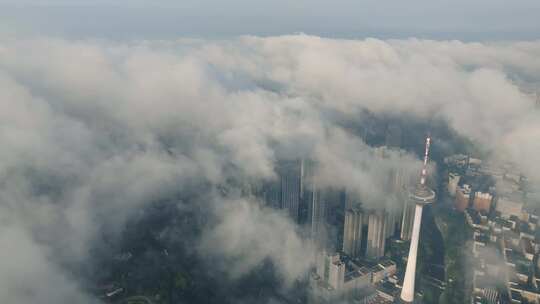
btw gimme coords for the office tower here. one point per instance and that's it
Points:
(307, 191)
(352, 233)
(393, 214)
(317, 215)
(272, 194)
(422, 195)
(291, 185)
(376, 235)
(395, 210)
(334, 202)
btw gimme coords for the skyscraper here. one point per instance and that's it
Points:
(334, 202)
(393, 220)
(421, 195)
(317, 215)
(376, 235)
(291, 185)
(394, 186)
(352, 233)
(272, 194)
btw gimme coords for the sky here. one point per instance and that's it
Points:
(122, 19)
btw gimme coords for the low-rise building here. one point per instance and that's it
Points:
(383, 270)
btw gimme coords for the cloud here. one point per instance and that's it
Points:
(29, 275)
(92, 131)
(248, 234)
(484, 91)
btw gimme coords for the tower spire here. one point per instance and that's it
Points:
(426, 159)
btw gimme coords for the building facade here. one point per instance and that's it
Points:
(463, 197)
(352, 233)
(290, 173)
(376, 236)
(482, 201)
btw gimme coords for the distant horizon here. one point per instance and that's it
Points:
(479, 21)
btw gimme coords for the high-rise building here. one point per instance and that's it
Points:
(334, 201)
(397, 180)
(393, 214)
(351, 202)
(463, 197)
(290, 173)
(394, 186)
(421, 195)
(272, 194)
(482, 201)
(352, 233)
(376, 235)
(317, 216)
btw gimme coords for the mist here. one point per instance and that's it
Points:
(93, 131)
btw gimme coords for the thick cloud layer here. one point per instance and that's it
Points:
(92, 131)
(247, 234)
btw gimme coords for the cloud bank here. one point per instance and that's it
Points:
(91, 131)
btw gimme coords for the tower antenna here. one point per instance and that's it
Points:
(426, 159)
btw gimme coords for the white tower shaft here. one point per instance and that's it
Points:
(407, 292)
(422, 195)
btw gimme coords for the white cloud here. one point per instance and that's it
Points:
(91, 131)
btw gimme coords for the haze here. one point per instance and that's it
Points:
(464, 20)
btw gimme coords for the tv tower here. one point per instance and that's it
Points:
(421, 195)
